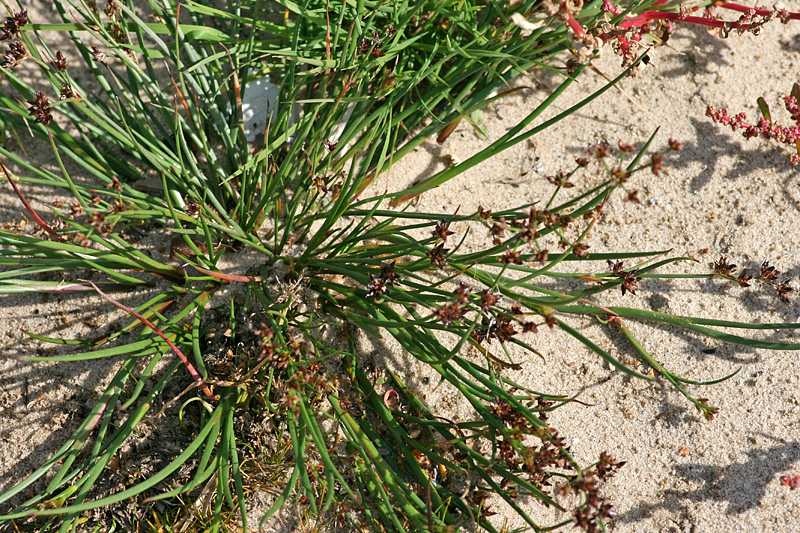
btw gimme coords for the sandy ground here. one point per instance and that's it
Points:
(733, 197)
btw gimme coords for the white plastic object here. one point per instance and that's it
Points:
(260, 104)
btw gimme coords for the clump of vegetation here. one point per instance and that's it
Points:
(335, 261)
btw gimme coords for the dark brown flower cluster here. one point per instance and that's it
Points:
(488, 299)
(600, 151)
(98, 221)
(500, 327)
(40, 108)
(512, 419)
(387, 278)
(552, 453)
(725, 269)
(595, 509)
(607, 466)
(528, 231)
(561, 179)
(536, 460)
(543, 406)
(449, 313)
(768, 275)
(372, 44)
(97, 54)
(550, 435)
(60, 62)
(453, 311)
(533, 460)
(619, 175)
(112, 9)
(13, 24)
(15, 55)
(119, 34)
(192, 208)
(504, 330)
(510, 257)
(498, 230)
(629, 280)
(579, 249)
(67, 92)
(438, 254)
(320, 183)
(442, 230)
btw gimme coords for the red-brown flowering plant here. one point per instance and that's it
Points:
(387, 278)
(768, 276)
(228, 173)
(629, 280)
(765, 127)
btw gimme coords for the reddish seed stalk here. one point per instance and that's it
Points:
(192, 371)
(648, 16)
(759, 12)
(691, 19)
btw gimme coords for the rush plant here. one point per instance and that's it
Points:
(157, 143)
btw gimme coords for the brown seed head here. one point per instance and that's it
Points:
(462, 293)
(13, 24)
(15, 55)
(488, 299)
(656, 164)
(675, 146)
(783, 290)
(442, 230)
(510, 256)
(438, 255)
(723, 267)
(769, 274)
(448, 313)
(40, 108)
(98, 55)
(60, 62)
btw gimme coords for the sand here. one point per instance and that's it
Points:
(721, 193)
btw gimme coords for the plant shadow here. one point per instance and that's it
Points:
(742, 484)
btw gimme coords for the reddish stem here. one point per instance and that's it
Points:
(228, 277)
(647, 16)
(744, 9)
(192, 371)
(577, 29)
(28, 206)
